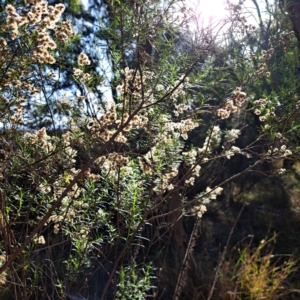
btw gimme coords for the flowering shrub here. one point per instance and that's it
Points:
(93, 191)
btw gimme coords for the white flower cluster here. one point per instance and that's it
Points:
(190, 181)
(282, 151)
(90, 176)
(63, 31)
(185, 126)
(165, 152)
(266, 55)
(83, 77)
(181, 128)
(180, 108)
(199, 210)
(71, 204)
(210, 194)
(39, 138)
(137, 121)
(214, 193)
(259, 107)
(163, 183)
(133, 80)
(99, 128)
(190, 157)
(18, 116)
(262, 66)
(179, 91)
(126, 170)
(83, 60)
(112, 161)
(43, 144)
(40, 240)
(41, 17)
(34, 24)
(229, 153)
(286, 40)
(232, 105)
(232, 135)
(212, 141)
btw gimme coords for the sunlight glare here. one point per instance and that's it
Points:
(211, 10)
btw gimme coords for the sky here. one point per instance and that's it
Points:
(215, 9)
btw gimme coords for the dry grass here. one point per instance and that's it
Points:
(253, 274)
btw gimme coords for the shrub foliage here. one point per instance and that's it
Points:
(95, 189)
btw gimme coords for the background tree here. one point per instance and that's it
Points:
(109, 206)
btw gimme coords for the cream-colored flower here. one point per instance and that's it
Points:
(83, 59)
(281, 171)
(200, 210)
(41, 240)
(287, 152)
(257, 112)
(235, 149)
(218, 191)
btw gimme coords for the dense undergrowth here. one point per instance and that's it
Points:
(168, 169)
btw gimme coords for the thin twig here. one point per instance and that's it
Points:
(224, 254)
(180, 281)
